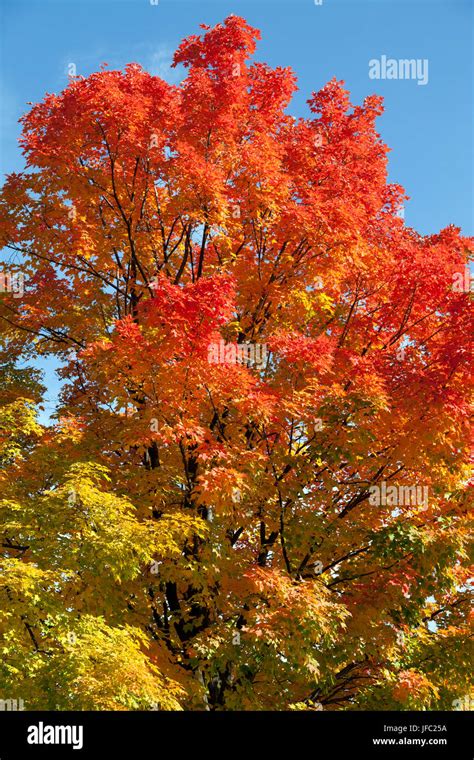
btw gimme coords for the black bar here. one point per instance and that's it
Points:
(310, 734)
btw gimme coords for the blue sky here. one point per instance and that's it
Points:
(429, 127)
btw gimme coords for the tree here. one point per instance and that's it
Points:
(256, 493)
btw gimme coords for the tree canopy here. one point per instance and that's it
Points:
(228, 534)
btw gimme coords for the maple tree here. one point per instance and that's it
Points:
(195, 534)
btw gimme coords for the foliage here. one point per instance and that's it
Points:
(195, 535)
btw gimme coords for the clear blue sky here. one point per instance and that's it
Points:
(429, 128)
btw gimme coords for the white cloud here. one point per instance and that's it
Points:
(160, 65)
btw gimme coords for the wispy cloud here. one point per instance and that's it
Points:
(159, 65)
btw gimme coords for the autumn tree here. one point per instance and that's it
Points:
(197, 531)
